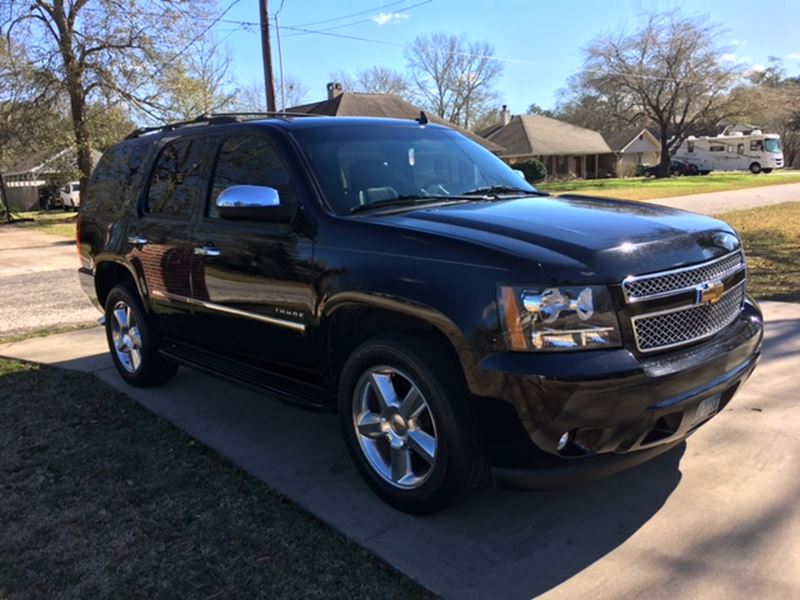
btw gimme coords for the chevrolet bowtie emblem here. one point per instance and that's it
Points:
(710, 293)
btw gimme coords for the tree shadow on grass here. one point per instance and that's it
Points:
(773, 265)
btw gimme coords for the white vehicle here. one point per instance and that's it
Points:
(71, 195)
(757, 152)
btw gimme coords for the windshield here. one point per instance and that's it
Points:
(360, 165)
(772, 145)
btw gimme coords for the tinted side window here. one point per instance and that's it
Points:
(249, 160)
(178, 178)
(113, 177)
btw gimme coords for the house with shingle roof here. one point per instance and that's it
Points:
(341, 103)
(24, 179)
(566, 150)
(633, 147)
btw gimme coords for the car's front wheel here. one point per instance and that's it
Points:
(403, 411)
(133, 341)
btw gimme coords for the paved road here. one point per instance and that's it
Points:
(39, 282)
(715, 518)
(719, 202)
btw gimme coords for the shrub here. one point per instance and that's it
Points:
(534, 169)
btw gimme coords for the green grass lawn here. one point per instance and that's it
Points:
(771, 237)
(54, 222)
(99, 498)
(640, 188)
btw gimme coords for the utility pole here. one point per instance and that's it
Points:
(266, 51)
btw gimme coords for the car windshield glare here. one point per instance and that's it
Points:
(361, 164)
(772, 145)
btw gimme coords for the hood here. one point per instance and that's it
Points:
(580, 237)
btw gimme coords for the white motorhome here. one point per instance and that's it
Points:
(757, 152)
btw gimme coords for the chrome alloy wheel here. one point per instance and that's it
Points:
(126, 337)
(395, 427)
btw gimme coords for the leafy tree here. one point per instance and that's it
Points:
(454, 77)
(105, 50)
(670, 71)
(375, 80)
(535, 109)
(770, 101)
(197, 84)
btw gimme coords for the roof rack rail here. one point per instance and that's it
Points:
(214, 119)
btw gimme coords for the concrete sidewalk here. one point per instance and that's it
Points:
(714, 203)
(715, 518)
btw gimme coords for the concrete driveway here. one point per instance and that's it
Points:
(717, 517)
(715, 203)
(39, 282)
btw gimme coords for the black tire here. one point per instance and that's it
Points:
(755, 168)
(151, 368)
(459, 462)
(766, 171)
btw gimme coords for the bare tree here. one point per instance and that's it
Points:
(670, 71)
(250, 97)
(105, 50)
(375, 80)
(589, 103)
(454, 77)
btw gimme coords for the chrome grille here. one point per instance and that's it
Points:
(666, 283)
(675, 327)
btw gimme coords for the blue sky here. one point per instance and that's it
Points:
(541, 40)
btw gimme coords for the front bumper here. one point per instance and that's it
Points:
(619, 409)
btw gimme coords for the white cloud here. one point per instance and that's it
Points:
(732, 57)
(392, 17)
(793, 56)
(757, 68)
(738, 42)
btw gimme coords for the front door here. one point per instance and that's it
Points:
(160, 241)
(252, 286)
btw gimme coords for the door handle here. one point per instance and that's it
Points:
(207, 250)
(137, 240)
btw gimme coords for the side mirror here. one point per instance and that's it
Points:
(253, 203)
(520, 173)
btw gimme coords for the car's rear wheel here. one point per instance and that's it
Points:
(133, 341)
(403, 411)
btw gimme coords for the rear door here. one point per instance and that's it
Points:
(160, 240)
(252, 287)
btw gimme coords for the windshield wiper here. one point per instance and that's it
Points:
(405, 200)
(495, 190)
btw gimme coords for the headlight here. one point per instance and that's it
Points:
(543, 319)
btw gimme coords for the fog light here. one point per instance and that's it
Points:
(563, 441)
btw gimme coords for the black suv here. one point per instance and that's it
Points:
(460, 322)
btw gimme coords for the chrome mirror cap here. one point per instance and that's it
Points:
(248, 196)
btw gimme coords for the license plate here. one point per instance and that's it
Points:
(706, 409)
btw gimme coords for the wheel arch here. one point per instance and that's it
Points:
(109, 273)
(359, 317)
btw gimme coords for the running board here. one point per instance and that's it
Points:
(285, 389)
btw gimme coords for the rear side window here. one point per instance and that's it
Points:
(178, 178)
(113, 178)
(249, 160)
